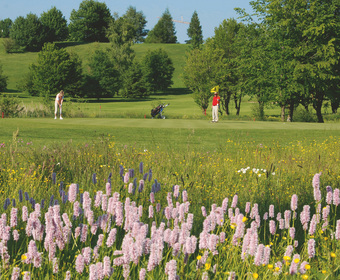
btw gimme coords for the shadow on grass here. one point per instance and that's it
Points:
(159, 96)
(11, 91)
(175, 91)
(70, 44)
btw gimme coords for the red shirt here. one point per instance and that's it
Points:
(216, 100)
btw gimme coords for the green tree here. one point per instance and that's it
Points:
(164, 30)
(90, 22)
(103, 70)
(195, 31)
(3, 80)
(226, 38)
(28, 33)
(135, 84)
(5, 26)
(158, 69)
(311, 30)
(56, 25)
(56, 69)
(136, 22)
(203, 70)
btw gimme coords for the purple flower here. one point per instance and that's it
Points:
(130, 188)
(112, 237)
(16, 235)
(316, 186)
(83, 234)
(247, 210)
(126, 178)
(303, 269)
(21, 198)
(152, 197)
(259, 255)
(289, 251)
(329, 197)
(107, 266)
(108, 189)
(55, 265)
(325, 212)
(27, 275)
(93, 272)
(171, 269)
(336, 197)
(293, 269)
(54, 178)
(271, 211)
(141, 186)
(266, 255)
(234, 203)
(142, 274)
(94, 178)
(184, 196)
(100, 272)
(14, 217)
(15, 273)
(311, 248)
(337, 231)
(272, 227)
(80, 264)
(292, 232)
(68, 275)
(150, 211)
(294, 202)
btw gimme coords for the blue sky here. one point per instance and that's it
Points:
(210, 13)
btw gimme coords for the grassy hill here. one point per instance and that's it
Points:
(16, 65)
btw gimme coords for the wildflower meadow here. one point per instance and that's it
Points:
(105, 211)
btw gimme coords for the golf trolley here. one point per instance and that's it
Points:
(157, 112)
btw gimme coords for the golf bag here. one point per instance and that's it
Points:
(157, 112)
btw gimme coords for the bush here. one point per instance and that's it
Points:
(9, 105)
(10, 46)
(302, 115)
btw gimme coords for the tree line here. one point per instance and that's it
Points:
(92, 22)
(285, 54)
(113, 71)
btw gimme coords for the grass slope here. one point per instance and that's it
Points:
(167, 134)
(16, 65)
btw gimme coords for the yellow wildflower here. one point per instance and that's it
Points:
(255, 275)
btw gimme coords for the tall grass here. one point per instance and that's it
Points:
(259, 176)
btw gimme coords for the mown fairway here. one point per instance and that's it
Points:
(168, 133)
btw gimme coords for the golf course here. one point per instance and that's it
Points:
(108, 192)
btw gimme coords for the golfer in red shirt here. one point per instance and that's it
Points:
(215, 104)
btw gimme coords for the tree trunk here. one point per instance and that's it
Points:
(237, 104)
(335, 105)
(283, 113)
(261, 110)
(225, 100)
(317, 106)
(291, 110)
